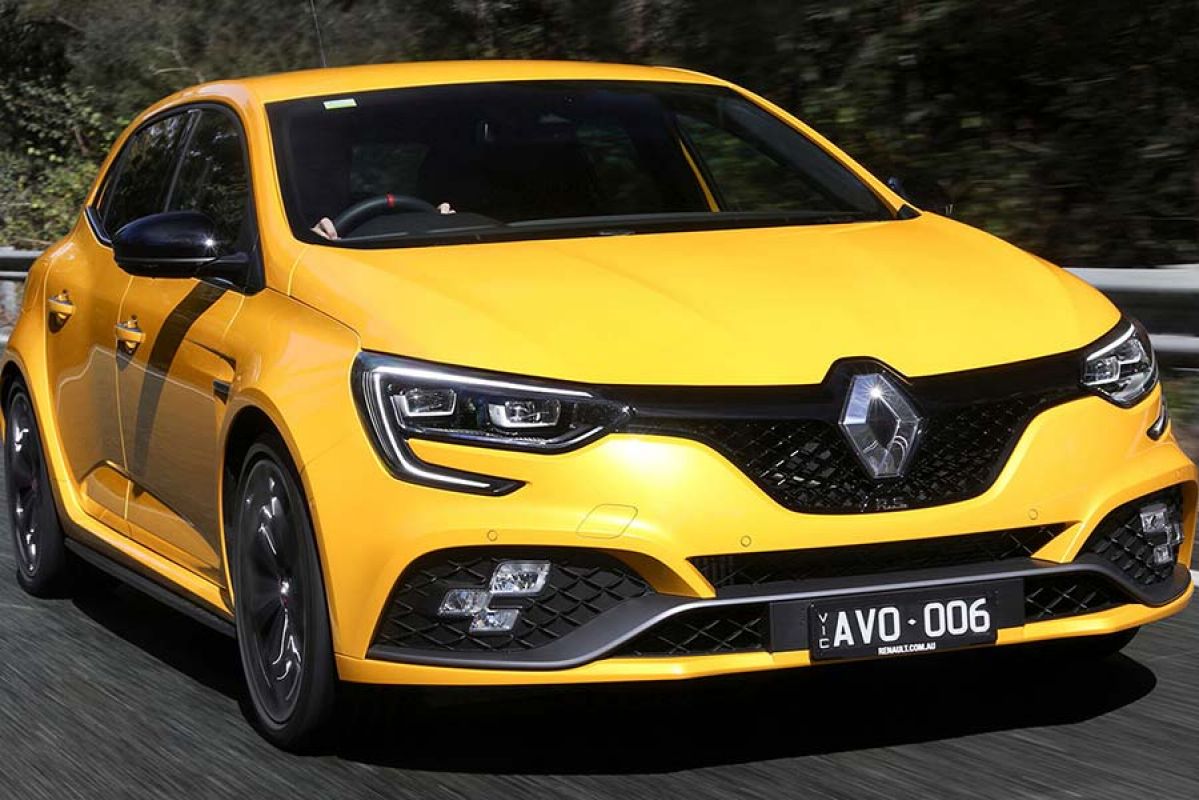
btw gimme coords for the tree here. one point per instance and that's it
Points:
(1071, 129)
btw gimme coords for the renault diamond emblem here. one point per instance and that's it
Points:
(881, 424)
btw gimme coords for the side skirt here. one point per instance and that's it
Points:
(151, 588)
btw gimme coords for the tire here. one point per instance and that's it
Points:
(42, 564)
(282, 618)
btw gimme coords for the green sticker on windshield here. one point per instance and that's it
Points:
(345, 102)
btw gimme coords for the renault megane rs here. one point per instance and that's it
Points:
(531, 373)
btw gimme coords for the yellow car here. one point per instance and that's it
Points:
(540, 373)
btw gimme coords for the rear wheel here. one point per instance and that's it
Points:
(279, 603)
(37, 535)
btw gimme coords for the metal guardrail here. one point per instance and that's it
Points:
(1165, 299)
(12, 261)
(14, 264)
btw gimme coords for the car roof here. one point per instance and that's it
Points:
(344, 80)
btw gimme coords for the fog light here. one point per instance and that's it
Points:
(519, 578)
(1155, 518)
(494, 620)
(1163, 532)
(464, 602)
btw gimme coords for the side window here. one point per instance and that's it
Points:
(212, 176)
(143, 175)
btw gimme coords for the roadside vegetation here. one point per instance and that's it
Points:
(1070, 129)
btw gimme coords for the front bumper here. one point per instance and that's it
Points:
(586, 658)
(780, 614)
(655, 503)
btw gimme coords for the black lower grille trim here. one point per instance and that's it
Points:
(582, 585)
(709, 631)
(755, 569)
(746, 627)
(1057, 596)
(1120, 539)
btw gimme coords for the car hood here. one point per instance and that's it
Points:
(734, 307)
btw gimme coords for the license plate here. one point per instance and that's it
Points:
(903, 623)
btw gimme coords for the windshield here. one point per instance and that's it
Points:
(523, 160)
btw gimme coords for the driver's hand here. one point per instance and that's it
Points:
(325, 229)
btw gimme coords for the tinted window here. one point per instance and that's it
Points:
(750, 157)
(212, 176)
(747, 178)
(144, 173)
(553, 158)
(381, 167)
(616, 166)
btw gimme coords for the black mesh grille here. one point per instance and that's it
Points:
(752, 569)
(1056, 596)
(1121, 541)
(743, 628)
(582, 585)
(808, 466)
(728, 629)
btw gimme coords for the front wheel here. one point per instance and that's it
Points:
(279, 603)
(37, 535)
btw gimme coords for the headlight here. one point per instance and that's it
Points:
(1121, 366)
(402, 399)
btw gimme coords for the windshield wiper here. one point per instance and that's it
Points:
(613, 225)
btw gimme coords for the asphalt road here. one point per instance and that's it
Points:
(109, 695)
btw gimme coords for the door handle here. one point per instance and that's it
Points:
(61, 307)
(129, 335)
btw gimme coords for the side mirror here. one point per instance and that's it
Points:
(923, 193)
(175, 244)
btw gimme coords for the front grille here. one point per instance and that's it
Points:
(1055, 596)
(753, 569)
(582, 584)
(1120, 540)
(808, 466)
(728, 629)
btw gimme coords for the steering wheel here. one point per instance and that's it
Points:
(372, 207)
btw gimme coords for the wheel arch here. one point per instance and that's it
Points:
(9, 373)
(248, 423)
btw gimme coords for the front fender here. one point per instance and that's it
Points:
(292, 364)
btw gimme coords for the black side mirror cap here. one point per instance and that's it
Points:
(173, 244)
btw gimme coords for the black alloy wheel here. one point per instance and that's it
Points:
(37, 535)
(279, 600)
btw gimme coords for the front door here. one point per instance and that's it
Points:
(173, 382)
(84, 291)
